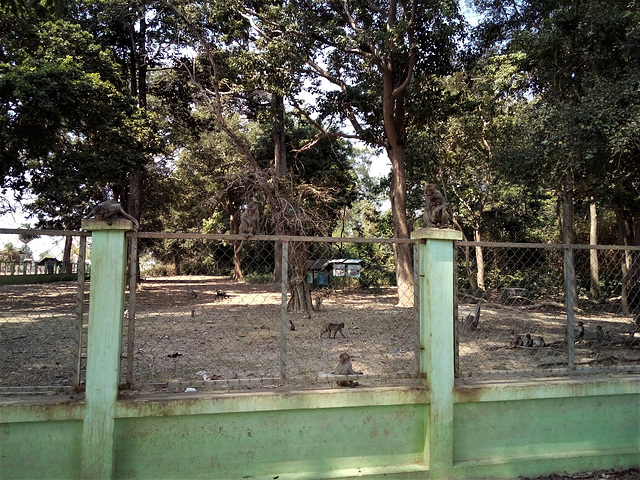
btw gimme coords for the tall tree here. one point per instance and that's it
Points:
(70, 130)
(583, 57)
(368, 52)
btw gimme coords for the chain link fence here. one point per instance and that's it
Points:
(43, 311)
(220, 312)
(210, 313)
(546, 310)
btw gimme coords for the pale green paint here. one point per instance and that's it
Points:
(548, 388)
(582, 424)
(440, 430)
(196, 404)
(436, 339)
(40, 449)
(108, 255)
(284, 442)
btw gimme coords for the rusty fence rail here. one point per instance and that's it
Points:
(546, 310)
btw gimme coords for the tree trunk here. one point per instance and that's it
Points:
(568, 233)
(625, 237)
(404, 271)
(394, 126)
(300, 300)
(278, 135)
(234, 226)
(280, 158)
(237, 264)
(66, 254)
(593, 254)
(139, 88)
(479, 258)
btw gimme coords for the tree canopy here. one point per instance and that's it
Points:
(188, 110)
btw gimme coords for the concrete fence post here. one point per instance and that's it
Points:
(104, 344)
(436, 273)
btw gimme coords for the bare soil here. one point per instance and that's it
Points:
(631, 474)
(237, 336)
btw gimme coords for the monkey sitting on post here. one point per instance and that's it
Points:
(332, 328)
(345, 368)
(436, 213)
(108, 211)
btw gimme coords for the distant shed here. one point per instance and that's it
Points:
(322, 269)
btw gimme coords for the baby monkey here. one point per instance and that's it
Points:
(332, 328)
(345, 368)
(435, 207)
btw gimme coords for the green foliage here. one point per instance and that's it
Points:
(378, 268)
(259, 278)
(583, 64)
(70, 131)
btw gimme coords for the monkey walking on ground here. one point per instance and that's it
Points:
(332, 328)
(191, 293)
(108, 211)
(345, 368)
(221, 294)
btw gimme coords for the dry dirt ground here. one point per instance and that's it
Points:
(236, 338)
(485, 353)
(631, 474)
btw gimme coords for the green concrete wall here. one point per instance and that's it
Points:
(435, 431)
(40, 449)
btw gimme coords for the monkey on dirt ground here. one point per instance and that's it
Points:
(345, 368)
(221, 294)
(515, 340)
(108, 211)
(332, 328)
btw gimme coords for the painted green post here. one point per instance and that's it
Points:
(436, 263)
(104, 344)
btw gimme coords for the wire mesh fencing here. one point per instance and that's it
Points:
(546, 310)
(43, 310)
(210, 312)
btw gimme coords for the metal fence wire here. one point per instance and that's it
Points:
(214, 312)
(546, 310)
(211, 313)
(43, 313)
